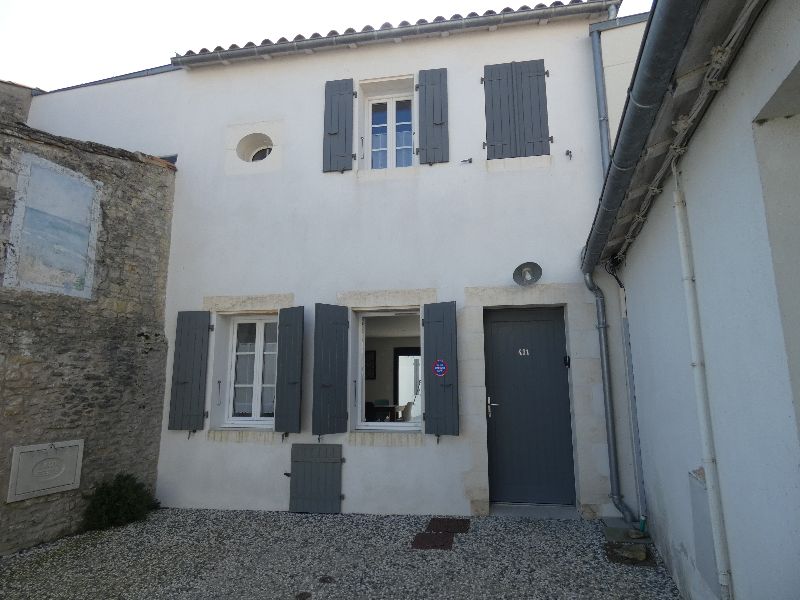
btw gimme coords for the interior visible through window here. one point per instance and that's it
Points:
(392, 373)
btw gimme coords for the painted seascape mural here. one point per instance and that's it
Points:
(56, 238)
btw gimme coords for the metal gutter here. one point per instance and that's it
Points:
(619, 22)
(387, 33)
(668, 30)
(134, 75)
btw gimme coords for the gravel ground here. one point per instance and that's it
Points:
(183, 554)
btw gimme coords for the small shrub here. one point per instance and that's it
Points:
(120, 501)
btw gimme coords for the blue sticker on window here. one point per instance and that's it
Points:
(439, 367)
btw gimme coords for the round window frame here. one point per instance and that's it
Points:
(253, 143)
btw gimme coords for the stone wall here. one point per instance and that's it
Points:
(15, 102)
(85, 368)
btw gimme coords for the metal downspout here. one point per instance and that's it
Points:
(602, 103)
(633, 412)
(608, 402)
(701, 391)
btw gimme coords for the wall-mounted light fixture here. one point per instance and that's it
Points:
(527, 273)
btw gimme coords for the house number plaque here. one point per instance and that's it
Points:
(524, 352)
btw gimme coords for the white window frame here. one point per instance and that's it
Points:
(254, 421)
(360, 395)
(391, 129)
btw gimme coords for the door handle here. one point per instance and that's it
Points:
(489, 405)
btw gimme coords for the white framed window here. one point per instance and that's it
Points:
(390, 135)
(252, 371)
(389, 387)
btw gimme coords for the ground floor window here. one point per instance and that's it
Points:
(390, 358)
(254, 364)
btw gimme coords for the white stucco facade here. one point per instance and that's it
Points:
(738, 176)
(255, 237)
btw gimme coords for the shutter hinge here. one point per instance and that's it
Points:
(416, 151)
(567, 361)
(353, 156)
(355, 94)
(205, 415)
(416, 88)
(423, 322)
(551, 139)
(423, 416)
(484, 145)
(341, 496)
(342, 459)
(481, 80)
(547, 73)
(211, 327)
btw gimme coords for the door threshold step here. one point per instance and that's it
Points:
(533, 511)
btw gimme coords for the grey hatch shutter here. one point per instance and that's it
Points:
(530, 104)
(499, 99)
(433, 135)
(289, 382)
(330, 369)
(187, 402)
(440, 368)
(316, 478)
(337, 144)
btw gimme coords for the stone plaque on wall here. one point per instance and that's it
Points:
(45, 469)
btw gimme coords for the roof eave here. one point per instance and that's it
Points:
(307, 46)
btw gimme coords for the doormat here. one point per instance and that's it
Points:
(433, 540)
(448, 525)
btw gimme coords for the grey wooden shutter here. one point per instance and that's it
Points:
(441, 391)
(316, 481)
(289, 382)
(337, 145)
(499, 97)
(330, 369)
(530, 108)
(187, 404)
(434, 146)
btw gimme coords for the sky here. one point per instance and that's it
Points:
(52, 44)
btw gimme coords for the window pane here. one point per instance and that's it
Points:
(379, 113)
(270, 337)
(404, 136)
(270, 369)
(267, 401)
(243, 401)
(380, 138)
(403, 114)
(244, 368)
(246, 337)
(403, 158)
(379, 159)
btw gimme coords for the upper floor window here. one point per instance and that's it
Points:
(391, 142)
(398, 122)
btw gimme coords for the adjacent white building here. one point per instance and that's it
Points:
(705, 242)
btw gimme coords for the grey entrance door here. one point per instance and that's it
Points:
(529, 429)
